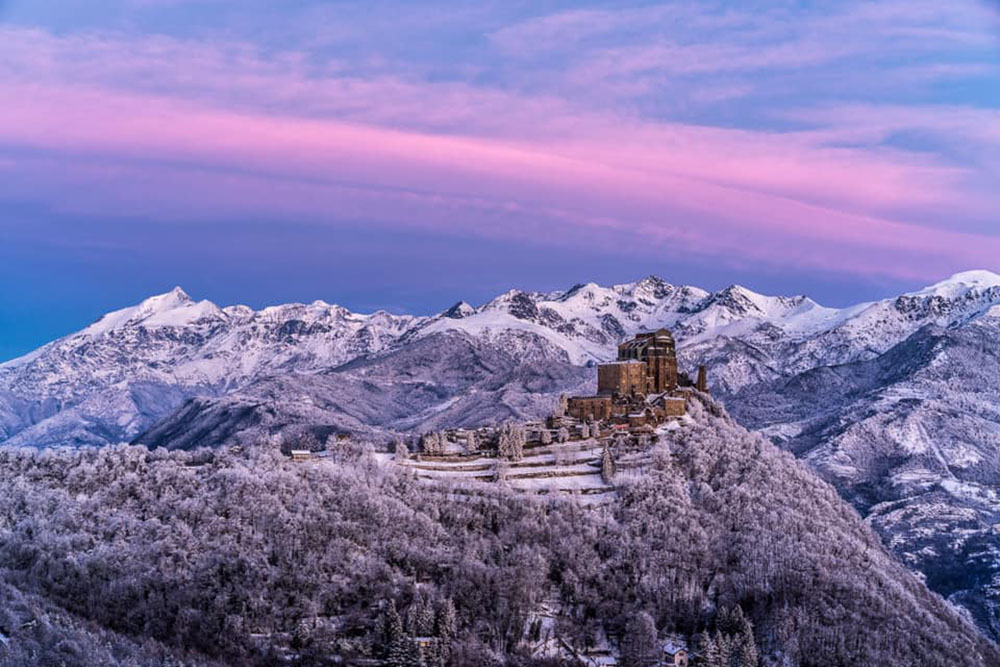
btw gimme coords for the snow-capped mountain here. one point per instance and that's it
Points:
(895, 402)
(115, 378)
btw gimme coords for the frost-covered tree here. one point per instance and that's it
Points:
(724, 653)
(640, 645)
(607, 465)
(546, 436)
(735, 638)
(307, 440)
(391, 629)
(511, 441)
(432, 443)
(584, 431)
(401, 451)
(472, 442)
(563, 434)
(562, 406)
(247, 543)
(420, 617)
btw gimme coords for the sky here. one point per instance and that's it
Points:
(401, 155)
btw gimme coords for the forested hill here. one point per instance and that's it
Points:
(249, 557)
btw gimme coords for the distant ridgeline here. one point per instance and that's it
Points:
(588, 439)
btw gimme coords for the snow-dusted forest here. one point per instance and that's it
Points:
(245, 557)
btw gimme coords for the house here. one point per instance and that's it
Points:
(675, 653)
(301, 454)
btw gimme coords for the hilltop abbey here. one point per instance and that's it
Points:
(642, 387)
(585, 444)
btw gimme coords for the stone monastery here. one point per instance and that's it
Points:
(641, 388)
(586, 444)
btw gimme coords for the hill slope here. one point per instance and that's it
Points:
(257, 554)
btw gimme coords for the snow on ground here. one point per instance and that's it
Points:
(970, 491)
(961, 283)
(575, 483)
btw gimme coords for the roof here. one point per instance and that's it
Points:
(300, 452)
(674, 646)
(651, 337)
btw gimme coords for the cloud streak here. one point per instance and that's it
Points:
(107, 123)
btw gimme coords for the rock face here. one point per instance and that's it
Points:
(895, 402)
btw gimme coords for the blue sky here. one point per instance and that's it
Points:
(407, 155)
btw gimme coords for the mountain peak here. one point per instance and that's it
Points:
(739, 299)
(651, 280)
(166, 301)
(961, 283)
(459, 310)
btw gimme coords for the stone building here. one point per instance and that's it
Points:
(647, 364)
(590, 408)
(642, 380)
(623, 377)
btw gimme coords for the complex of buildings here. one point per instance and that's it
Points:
(642, 387)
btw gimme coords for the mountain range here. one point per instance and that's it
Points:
(894, 402)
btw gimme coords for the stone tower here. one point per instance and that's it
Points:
(702, 379)
(646, 364)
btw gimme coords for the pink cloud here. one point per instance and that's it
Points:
(392, 152)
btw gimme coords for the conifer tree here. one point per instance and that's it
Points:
(422, 613)
(640, 644)
(747, 654)
(446, 629)
(607, 465)
(446, 624)
(391, 630)
(723, 650)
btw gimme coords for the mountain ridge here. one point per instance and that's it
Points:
(174, 340)
(892, 401)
